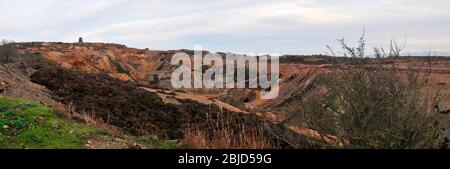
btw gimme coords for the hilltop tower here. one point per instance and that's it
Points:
(80, 40)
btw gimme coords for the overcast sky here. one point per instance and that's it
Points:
(283, 26)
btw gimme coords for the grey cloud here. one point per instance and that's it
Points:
(285, 26)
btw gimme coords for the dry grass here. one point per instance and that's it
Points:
(225, 139)
(224, 133)
(88, 118)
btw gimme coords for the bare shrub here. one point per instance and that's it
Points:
(368, 104)
(7, 51)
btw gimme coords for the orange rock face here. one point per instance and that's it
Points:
(117, 60)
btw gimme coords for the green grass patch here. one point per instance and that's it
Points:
(27, 125)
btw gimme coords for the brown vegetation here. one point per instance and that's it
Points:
(116, 102)
(224, 133)
(139, 111)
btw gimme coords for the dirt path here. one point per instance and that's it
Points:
(171, 97)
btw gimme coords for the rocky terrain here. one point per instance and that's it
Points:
(106, 79)
(152, 68)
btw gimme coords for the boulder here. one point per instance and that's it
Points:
(443, 104)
